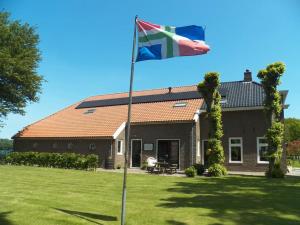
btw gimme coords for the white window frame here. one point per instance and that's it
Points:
(121, 147)
(236, 145)
(258, 145)
(198, 149)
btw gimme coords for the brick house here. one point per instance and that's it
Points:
(168, 124)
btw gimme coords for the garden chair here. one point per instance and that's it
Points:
(151, 164)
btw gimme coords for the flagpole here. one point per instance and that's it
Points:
(123, 212)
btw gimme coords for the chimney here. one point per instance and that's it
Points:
(170, 89)
(247, 76)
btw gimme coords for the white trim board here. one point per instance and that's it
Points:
(119, 130)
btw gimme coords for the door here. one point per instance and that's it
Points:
(168, 151)
(136, 150)
(205, 152)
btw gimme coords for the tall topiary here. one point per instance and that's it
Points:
(209, 90)
(270, 79)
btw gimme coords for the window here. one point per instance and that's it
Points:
(198, 148)
(235, 150)
(120, 147)
(70, 146)
(262, 150)
(54, 145)
(89, 111)
(35, 145)
(223, 99)
(92, 146)
(180, 104)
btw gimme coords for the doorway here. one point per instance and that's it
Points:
(205, 152)
(136, 152)
(168, 151)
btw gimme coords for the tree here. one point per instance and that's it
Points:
(291, 129)
(209, 90)
(270, 79)
(6, 144)
(19, 56)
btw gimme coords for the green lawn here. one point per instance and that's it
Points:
(296, 163)
(41, 196)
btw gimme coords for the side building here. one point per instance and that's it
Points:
(169, 124)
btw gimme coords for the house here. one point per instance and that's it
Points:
(169, 124)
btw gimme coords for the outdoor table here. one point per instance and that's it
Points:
(164, 167)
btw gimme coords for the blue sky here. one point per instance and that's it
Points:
(86, 46)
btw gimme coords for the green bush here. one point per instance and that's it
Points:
(56, 160)
(200, 169)
(119, 166)
(144, 165)
(190, 172)
(217, 170)
(276, 172)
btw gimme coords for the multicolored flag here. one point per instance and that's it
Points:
(161, 42)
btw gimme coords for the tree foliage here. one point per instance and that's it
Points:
(270, 79)
(209, 90)
(291, 129)
(6, 144)
(19, 56)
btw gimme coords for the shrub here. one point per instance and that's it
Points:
(199, 169)
(217, 170)
(144, 165)
(190, 172)
(57, 160)
(276, 172)
(119, 166)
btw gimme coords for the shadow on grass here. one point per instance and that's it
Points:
(240, 200)
(3, 219)
(91, 217)
(174, 222)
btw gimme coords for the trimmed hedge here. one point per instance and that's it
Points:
(56, 160)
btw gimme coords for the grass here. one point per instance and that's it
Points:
(43, 196)
(295, 163)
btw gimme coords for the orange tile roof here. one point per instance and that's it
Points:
(72, 123)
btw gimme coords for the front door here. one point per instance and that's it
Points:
(205, 152)
(136, 150)
(168, 151)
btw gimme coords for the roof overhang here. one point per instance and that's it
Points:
(65, 138)
(119, 130)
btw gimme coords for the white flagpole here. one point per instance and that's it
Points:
(123, 212)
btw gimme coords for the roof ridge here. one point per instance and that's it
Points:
(154, 89)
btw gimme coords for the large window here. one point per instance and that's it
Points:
(262, 150)
(120, 147)
(235, 150)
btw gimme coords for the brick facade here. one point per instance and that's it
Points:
(247, 125)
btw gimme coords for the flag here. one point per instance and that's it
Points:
(161, 42)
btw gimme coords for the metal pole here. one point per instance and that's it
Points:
(123, 213)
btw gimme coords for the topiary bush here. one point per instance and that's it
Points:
(270, 79)
(200, 169)
(190, 172)
(56, 160)
(217, 170)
